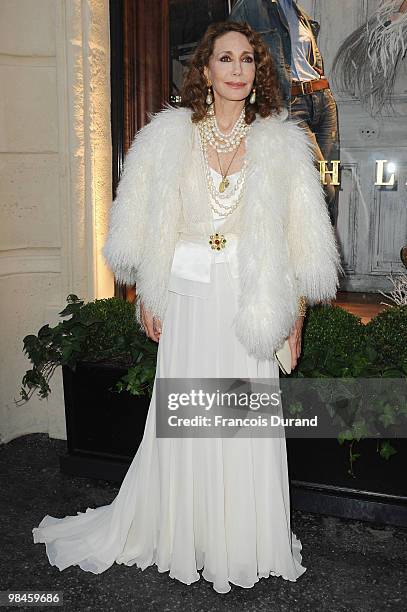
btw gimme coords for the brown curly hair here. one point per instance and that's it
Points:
(268, 92)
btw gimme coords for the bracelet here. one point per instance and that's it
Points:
(302, 306)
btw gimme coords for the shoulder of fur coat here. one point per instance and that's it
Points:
(152, 153)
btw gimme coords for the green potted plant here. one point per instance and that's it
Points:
(108, 372)
(108, 369)
(343, 476)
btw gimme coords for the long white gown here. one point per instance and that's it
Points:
(186, 504)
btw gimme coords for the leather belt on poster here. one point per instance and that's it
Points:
(308, 87)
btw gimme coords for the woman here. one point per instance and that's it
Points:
(217, 310)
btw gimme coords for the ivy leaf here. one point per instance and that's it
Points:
(345, 435)
(387, 450)
(388, 416)
(360, 430)
(391, 373)
(295, 408)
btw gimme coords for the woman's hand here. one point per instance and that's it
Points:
(294, 341)
(151, 324)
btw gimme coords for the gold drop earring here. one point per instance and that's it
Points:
(252, 98)
(209, 97)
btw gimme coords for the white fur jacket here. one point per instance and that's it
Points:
(287, 248)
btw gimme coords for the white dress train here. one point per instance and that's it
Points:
(217, 504)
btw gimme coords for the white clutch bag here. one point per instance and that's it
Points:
(283, 356)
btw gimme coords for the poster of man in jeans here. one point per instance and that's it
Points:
(291, 36)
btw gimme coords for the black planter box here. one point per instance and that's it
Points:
(320, 483)
(104, 427)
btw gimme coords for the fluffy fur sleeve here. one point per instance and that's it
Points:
(313, 247)
(128, 215)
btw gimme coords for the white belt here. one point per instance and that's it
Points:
(193, 257)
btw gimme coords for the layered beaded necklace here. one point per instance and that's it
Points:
(210, 134)
(223, 143)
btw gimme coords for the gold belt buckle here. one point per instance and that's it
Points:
(217, 241)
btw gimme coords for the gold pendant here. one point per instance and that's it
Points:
(223, 184)
(217, 241)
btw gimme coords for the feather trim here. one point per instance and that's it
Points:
(366, 62)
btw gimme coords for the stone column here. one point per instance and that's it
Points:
(55, 159)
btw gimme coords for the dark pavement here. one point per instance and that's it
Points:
(351, 565)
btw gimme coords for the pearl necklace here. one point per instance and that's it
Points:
(219, 208)
(222, 143)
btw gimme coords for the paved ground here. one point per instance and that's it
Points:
(351, 566)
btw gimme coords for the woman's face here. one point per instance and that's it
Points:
(231, 68)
